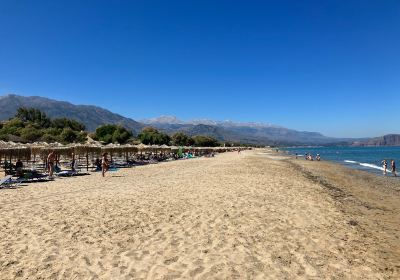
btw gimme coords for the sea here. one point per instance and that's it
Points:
(362, 158)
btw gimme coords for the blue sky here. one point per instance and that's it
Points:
(327, 66)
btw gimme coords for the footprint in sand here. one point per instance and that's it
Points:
(196, 271)
(50, 258)
(171, 260)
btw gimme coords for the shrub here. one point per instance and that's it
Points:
(67, 136)
(30, 134)
(111, 133)
(181, 139)
(62, 123)
(151, 136)
(205, 141)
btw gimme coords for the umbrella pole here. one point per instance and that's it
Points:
(10, 163)
(87, 161)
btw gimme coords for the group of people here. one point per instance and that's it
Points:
(392, 165)
(52, 158)
(310, 157)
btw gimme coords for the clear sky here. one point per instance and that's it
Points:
(326, 66)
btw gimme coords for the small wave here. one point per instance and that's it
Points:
(373, 166)
(350, 161)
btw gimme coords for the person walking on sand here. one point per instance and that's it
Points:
(51, 158)
(384, 164)
(73, 163)
(104, 164)
(393, 163)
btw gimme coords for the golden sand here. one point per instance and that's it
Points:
(247, 216)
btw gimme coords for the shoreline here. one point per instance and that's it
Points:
(366, 167)
(370, 201)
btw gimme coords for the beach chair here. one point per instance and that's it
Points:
(33, 176)
(9, 182)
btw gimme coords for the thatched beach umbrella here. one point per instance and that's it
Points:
(165, 147)
(126, 150)
(86, 150)
(14, 150)
(142, 147)
(174, 149)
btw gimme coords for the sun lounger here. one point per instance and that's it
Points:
(9, 182)
(70, 173)
(33, 176)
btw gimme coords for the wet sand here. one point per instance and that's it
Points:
(247, 216)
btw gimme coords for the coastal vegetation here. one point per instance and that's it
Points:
(111, 133)
(31, 125)
(151, 136)
(181, 139)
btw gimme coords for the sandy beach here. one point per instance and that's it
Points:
(252, 215)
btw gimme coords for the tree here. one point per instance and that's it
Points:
(13, 127)
(49, 138)
(151, 136)
(205, 141)
(181, 139)
(62, 123)
(121, 135)
(53, 131)
(30, 134)
(31, 124)
(32, 115)
(111, 133)
(81, 137)
(68, 136)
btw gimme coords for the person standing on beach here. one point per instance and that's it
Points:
(393, 163)
(384, 163)
(50, 163)
(104, 164)
(73, 163)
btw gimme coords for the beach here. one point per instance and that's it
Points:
(254, 215)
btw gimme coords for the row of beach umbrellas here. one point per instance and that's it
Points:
(93, 147)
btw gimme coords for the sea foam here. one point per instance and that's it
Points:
(373, 166)
(350, 161)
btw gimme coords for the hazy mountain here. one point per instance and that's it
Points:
(90, 116)
(226, 123)
(162, 120)
(386, 140)
(255, 133)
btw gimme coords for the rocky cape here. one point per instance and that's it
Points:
(386, 140)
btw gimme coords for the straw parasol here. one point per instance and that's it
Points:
(142, 147)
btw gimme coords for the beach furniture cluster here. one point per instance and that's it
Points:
(33, 156)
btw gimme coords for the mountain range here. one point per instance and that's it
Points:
(249, 132)
(243, 132)
(90, 116)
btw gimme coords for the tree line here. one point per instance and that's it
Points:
(31, 125)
